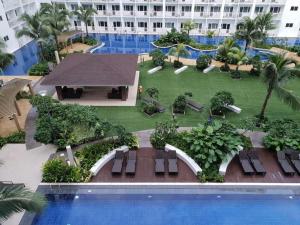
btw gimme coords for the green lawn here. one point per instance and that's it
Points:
(248, 92)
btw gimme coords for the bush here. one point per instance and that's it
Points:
(225, 68)
(150, 109)
(179, 104)
(39, 69)
(18, 137)
(86, 40)
(165, 132)
(126, 138)
(235, 74)
(177, 64)
(210, 175)
(203, 62)
(218, 102)
(158, 57)
(173, 37)
(56, 171)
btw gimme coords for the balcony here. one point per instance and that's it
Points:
(142, 14)
(239, 1)
(275, 2)
(10, 4)
(102, 13)
(156, 14)
(185, 1)
(229, 15)
(185, 14)
(215, 15)
(25, 2)
(128, 13)
(243, 14)
(114, 13)
(170, 14)
(14, 22)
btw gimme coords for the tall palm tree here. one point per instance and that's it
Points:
(247, 30)
(85, 14)
(15, 198)
(34, 29)
(225, 48)
(178, 51)
(264, 23)
(276, 73)
(5, 58)
(55, 18)
(188, 26)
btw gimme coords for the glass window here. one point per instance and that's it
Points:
(275, 9)
(212, 26)
(186, 8)
(101, 7)
(142, 8)
(228, 9)
(259, 9)
(169, 25)
(157, 8)
(128, 7)
(129, 24)
(157, 25)
(117, 24)
(115, 7)
(215, 9)
(289, 25)
(170, 8)
(102, 23)
(199, 8)
(142, 24)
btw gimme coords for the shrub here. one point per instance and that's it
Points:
(210, 175)
(225, 68)
(203, 62)
(150, 109)
(173, 37)
(235, 74)
(85, 40)
(126, 138)
(177, 64)
(39, 69)
(179, 104)
(158, 57)
(152, 92)
(218, 102)
(165, 132)
(18, 137)
(56, 171)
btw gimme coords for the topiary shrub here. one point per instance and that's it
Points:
(218, 102)
(158, 57)
(39, 69)
(177, 64)
(165, 132)
(179, 104)
(203, 61)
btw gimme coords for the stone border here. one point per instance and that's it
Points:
(225, 163)
(195, 49)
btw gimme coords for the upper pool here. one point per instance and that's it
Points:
(170, 209)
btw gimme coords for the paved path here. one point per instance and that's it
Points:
(22, 166)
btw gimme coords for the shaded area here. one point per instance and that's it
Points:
(145, 171)
(269, 160)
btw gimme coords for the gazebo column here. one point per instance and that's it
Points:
(17, 108)
(31, 89)
(16, 122)
(124, 93)
(59, 92)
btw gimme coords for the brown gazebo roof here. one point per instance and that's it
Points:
(94, 70)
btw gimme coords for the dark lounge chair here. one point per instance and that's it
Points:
(245, 163)
(194, 105)
(118, 162)
(172, 162)
(284, 163)
(295, 159)
(258, 166)
(131, 163)
(160, 162)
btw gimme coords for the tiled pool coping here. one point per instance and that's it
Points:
(164, 188)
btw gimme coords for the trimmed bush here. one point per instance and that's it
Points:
(165, 132)
(39, 69)
(177, 64)
(158, 57)
(15, 138)
(179, 104)
(218, 102)
(203, 62)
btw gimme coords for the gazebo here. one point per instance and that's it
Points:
(98, 77)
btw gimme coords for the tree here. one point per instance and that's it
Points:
(188, 26)
(35, 29)
(158, 57)
(264, 23)
(16, 198)
(5, 58)
(85, 14)
(224, 49)
(55, 18)
(247, 30)
(178, 51)
(276, 73)
(239, 56)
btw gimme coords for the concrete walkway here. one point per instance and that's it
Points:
(22, 166)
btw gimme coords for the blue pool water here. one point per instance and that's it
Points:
(171, 210)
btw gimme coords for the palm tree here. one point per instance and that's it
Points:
(55, 18)
(85, 14)
(34, 29)
(178, 51)
(16, 198)
(5, 58)
(239, 56)
(225, 48)
(247, 30)
(264, 23)
(188, 26)
(276, 73)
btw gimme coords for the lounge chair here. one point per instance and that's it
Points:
(172, 162)
(258, 166)
(131, 163)
(159, 162)
(245, 163)
(194, 105)
(118, 162)
(284, 163)
(295, 159)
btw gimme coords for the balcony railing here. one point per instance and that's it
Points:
(10, 4)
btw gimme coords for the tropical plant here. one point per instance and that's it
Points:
(152, 92)
(203, 61)
(276, 73)
(16, 198)
(34, 29)
(210, 34)
(165, 132)
(5, 58)
(55, 18)
(179, 51)
(264, 23)
(223, 51)
(237, 55)
(39, 69)
(158, 57)
(84, 14)
(219, 101)
(247, 30)
(256, 63)
(173, 37)
(179, 104)
(188, 26)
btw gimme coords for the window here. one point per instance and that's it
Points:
(157, 25)
(128, 7)
(142, 8)
(1, 18)
(6, 38)
(87, 6)
(199, 8)
(102, 23)
(294, 8)
(186, 8)
(169, 25)
(215, 9)
(228, 9)
(101, 7)
(275, 9)
(117, 24)
(199, 26)
(212, 26)
(259, 9)
(244, 9)
(129, 24)
(289, 25)
(142, 24)
(170, 8)
(157, 8)
(74, 7)
(115, 7)
(225, 26)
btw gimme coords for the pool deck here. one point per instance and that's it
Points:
(145, 171)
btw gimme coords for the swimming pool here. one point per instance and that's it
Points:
(170, 209)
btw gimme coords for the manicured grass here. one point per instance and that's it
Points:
(248, 92)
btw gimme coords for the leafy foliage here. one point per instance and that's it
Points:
(179, 104)
(165, 132)
(152, 92)
(5, 58)
(85, 14)
(18, 137)
(218, 102)
(179, 51)
(39, 69)
(203, 62)
(158, 57)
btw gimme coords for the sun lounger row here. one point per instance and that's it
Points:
(289, 161)
(160, 161)
(251, 163)
(119, 161)
(194, 105)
